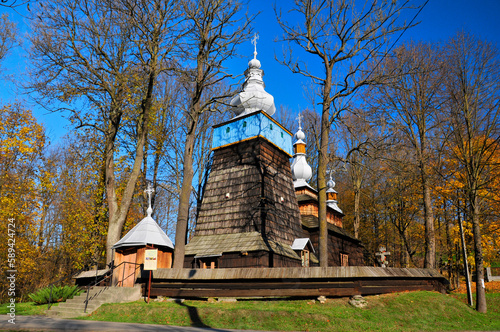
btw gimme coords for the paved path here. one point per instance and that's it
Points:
(43, 323)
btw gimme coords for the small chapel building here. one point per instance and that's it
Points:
(130, 251)
(258, 211)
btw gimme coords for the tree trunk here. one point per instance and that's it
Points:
(357, 195)
(118, 211)
(430, 238)
(478, 249)
(185, 195)
(111, 188)
(99, 216)
(119, 215)
(322, 164)
(464, 257)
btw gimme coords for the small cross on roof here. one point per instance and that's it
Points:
(149, 190)
(254, 43)
(299, 118)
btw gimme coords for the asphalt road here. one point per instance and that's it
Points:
(43, 323)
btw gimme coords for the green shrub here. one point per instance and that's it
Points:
(59, 294)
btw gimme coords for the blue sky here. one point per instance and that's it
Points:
(439, 20)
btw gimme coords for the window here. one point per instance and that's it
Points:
(271, 126)
(227, 130)
(281, 134)
(244, 124)
(344, 260)
(305, 258)
(208, 263)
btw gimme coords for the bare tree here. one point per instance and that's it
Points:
(356, 138)
(14, 3)
(408, 102)
(400, 200)
(216, 27)
(473, 112)
(99, 62)
(342, 38)
(7, 35)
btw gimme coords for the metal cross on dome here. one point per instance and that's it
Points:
(299, 118)
(149, 190)
(331, 183)
(254, 43)
(331, 171)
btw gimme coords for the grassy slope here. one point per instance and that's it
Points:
(414, 311)
(26, 308)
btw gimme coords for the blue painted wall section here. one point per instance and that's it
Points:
(250, 126)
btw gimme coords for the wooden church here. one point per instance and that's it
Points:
(257, 209)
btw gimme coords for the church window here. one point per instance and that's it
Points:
(305, 258)
(208, 264)
(344, 260)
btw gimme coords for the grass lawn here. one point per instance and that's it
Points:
(26, 308)
(408, 311)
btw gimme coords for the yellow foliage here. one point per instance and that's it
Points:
(22, 141)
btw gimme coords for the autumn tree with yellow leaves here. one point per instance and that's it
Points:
(22, 142)
(473, 114)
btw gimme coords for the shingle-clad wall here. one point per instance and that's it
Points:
(250, 188)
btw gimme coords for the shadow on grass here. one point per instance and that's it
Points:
(193, 315)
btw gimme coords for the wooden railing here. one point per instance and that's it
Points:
(292, 282)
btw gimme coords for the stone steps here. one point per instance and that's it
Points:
(98, 295)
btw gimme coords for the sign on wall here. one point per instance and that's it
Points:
(150, 259)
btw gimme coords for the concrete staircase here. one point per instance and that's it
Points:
(98, 295)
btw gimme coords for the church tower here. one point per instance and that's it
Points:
(343, 248)
(249, 215)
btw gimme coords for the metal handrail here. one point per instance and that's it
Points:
(123, 274)
(110, 276)
(97, 281)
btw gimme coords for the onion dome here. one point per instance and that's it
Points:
(299, 136)
(301, 171)
(254, 63)
(252, 97)
(331, 195)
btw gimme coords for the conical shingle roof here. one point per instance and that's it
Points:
(145, 232)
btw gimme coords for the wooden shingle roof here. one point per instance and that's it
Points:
(311, 221)
(302, 198)
(218, 244)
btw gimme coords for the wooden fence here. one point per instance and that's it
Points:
(292, 282)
